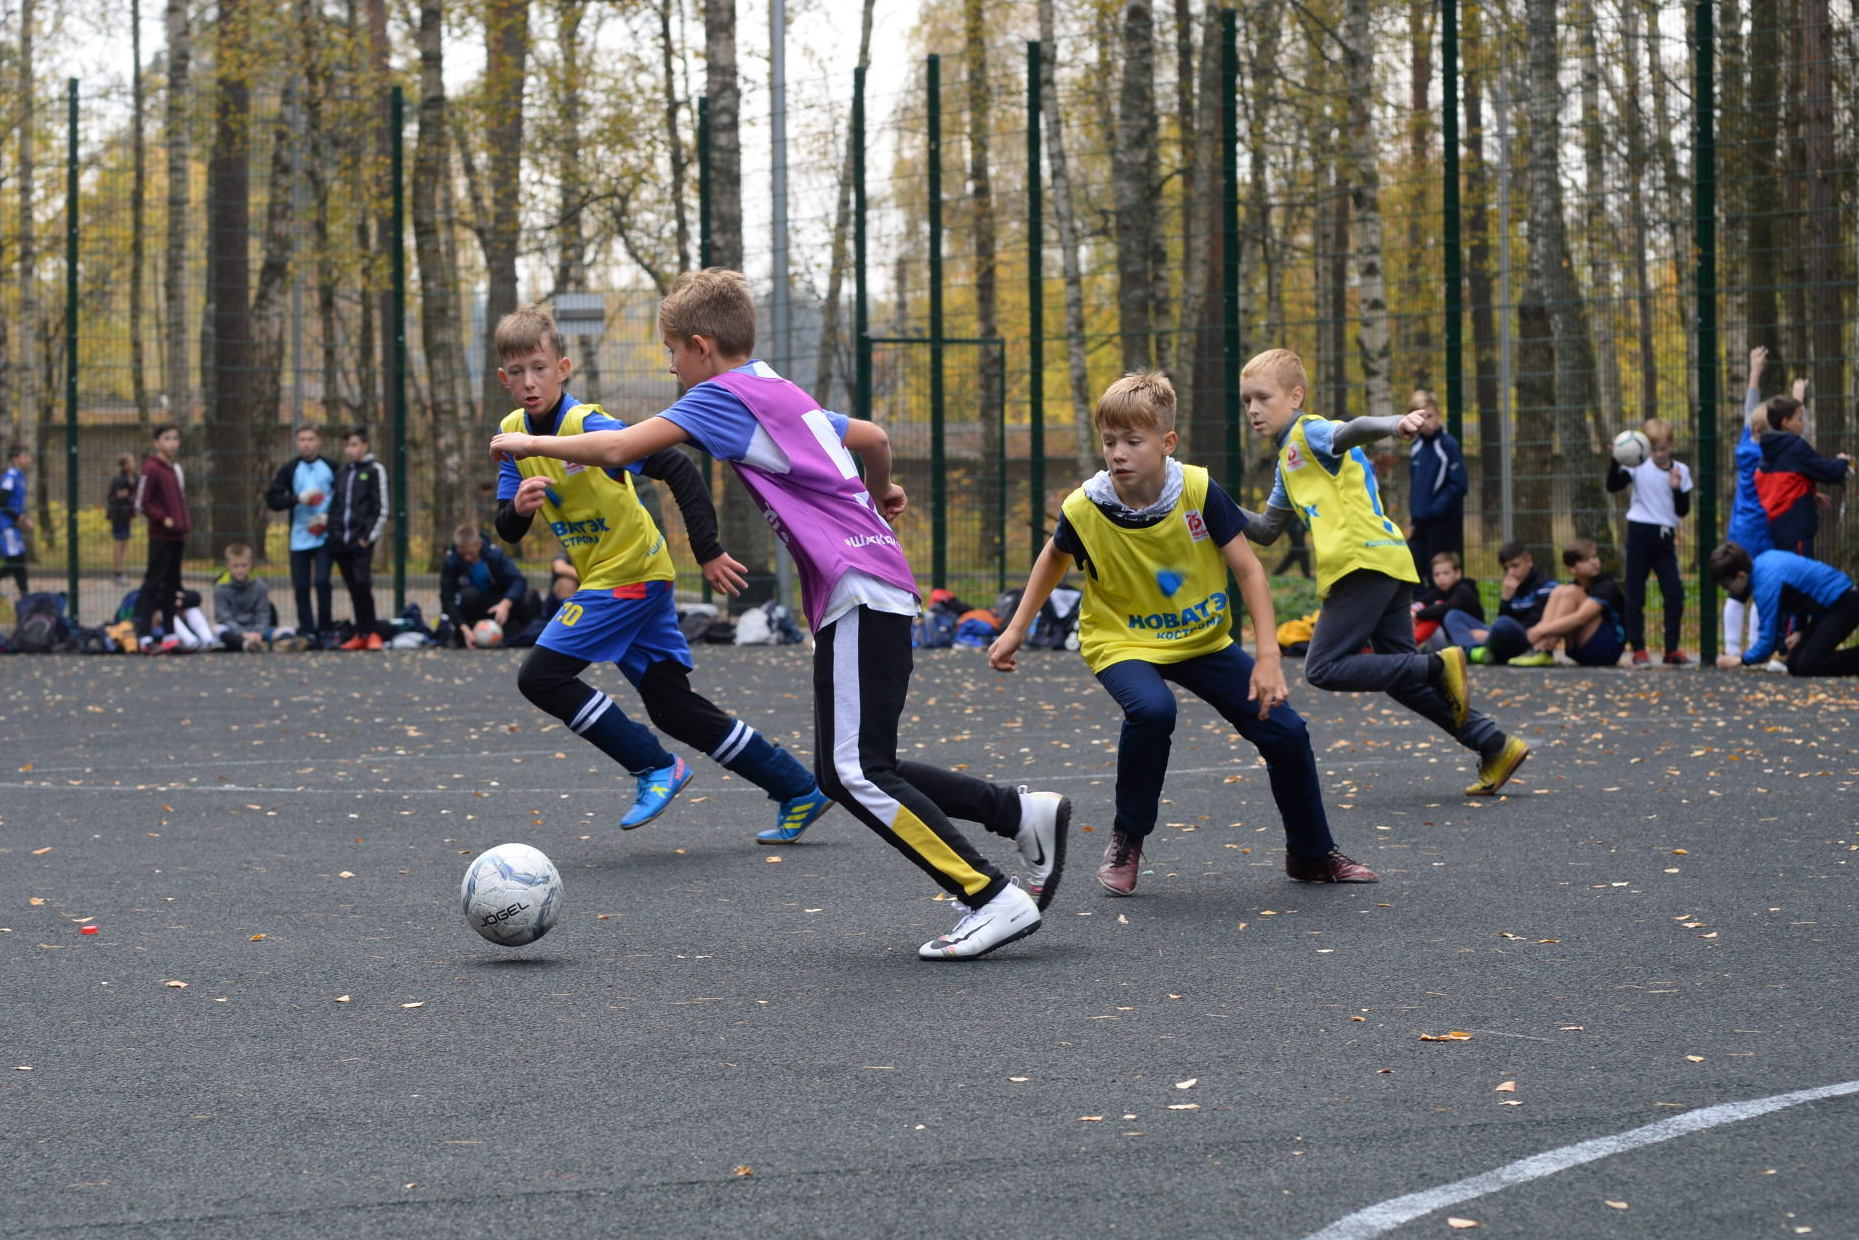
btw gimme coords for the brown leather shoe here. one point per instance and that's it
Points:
(1122, 859)
(1332, 867)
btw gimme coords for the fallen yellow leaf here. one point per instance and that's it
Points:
(342, 998)
(1618, 1205)
(743, 1169)
(40, 852)
(1457, 1035)
(1090, 1119)
(35, 901)
(422, 1003)
(1508, 1087)
(256, 938)
(175, 985)
(1694, 1058)
(1184, 1106)
(1190, 1083)
(346, 874)
(1460, 1224)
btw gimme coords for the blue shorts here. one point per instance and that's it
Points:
(1603, 647)
(631, 626)
(119, 530)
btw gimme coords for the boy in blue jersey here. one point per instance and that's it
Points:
(624, 611)
(1156, 539)
(1779, 583)
(1365, 572)
(302, 487)
(14, 523)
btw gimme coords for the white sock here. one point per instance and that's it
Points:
(194, 621)
(1733, 620)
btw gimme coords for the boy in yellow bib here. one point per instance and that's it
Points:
(1365, 572)
(624, 613)
(1156, 539)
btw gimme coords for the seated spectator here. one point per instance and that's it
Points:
(1583, 617)
(1522, 597)
(1781, 582)
(564, 580)
(243, 617)
(1450, 611)
(479, 581)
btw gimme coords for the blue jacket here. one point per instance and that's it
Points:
(1781, 582)
(495, 573)
(1438, 477)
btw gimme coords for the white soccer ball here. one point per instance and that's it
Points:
(487, 632)
(1632, 448)
(511, 895)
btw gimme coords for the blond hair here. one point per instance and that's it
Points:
(1282, 365)
(714, 303)
(237, 551)
(1658, 430)
(522, 332)
(1142, 398)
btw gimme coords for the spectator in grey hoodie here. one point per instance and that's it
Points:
(243, 617)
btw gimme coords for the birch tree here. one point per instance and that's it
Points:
(1065, 219)
(1133, 172)
(1365, 200)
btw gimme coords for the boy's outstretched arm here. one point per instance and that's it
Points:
(873, 447)
(1265, 527)
(1268, 674)
(612, 449)
(1048, 570)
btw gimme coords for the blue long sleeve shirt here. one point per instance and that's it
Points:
(1781, 582)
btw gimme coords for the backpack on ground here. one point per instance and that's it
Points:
(42, 626)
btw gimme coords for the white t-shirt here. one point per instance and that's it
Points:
(1652, 493)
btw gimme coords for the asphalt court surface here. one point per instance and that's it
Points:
(722, 1039)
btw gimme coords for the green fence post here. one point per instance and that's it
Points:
(1229, 240)
(397, 375)
(1450, 210)
(861, 290)
(939, 483)
(1705, 242)
(70, 343)
(1035, 313)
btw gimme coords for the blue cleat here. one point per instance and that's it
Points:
(656, 790)
(797, 814)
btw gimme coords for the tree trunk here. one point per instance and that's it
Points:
(1574, 456)
(274, 279)
(453, 453)
(991, 367)
(1417, 348)
(506, 48)
(1372, 330)
(836, 266)
(1133, 171)
(1065, 218)
(725, 172)
(23, 401)
(1202, 352)
(1638, 164)
(174, 253)
(1821, 183)
(1596, 222)
(674, 128)
(1177, 350)
(1480, 293)
(229, 509)
(138, 222)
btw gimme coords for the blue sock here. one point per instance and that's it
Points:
(605, 726)
(769, 767)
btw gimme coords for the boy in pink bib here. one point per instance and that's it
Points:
(860, 597)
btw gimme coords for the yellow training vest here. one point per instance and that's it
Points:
(1158, 594)
(1348, 527)
(602, 526)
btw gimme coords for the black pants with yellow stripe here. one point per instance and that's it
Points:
(861, 675)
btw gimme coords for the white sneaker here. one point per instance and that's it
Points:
(1776, 665)
(1008, 916)
(1045, 820)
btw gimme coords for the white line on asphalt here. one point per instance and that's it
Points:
(1385, 1216)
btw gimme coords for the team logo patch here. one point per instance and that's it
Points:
(1293, 459)
(572, 467)
(1197, 526)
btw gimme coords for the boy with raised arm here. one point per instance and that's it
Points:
(859, 594)
(1156, 539)
(624, 612)
(1365, 573)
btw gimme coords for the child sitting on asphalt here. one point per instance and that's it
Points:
(1583, 616)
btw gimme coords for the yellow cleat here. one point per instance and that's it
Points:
(1454, 684)
(1494, 772)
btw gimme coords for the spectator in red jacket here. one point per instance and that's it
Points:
(161, 496)
(1785, 479)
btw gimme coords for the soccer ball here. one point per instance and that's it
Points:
(487, 632)
(1632, 448)
(511, 895)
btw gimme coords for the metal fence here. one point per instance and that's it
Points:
(1564, 217)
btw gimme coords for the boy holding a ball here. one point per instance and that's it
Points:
(1661, 498)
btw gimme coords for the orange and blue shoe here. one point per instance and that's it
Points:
(656, 790)
(796, 815)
